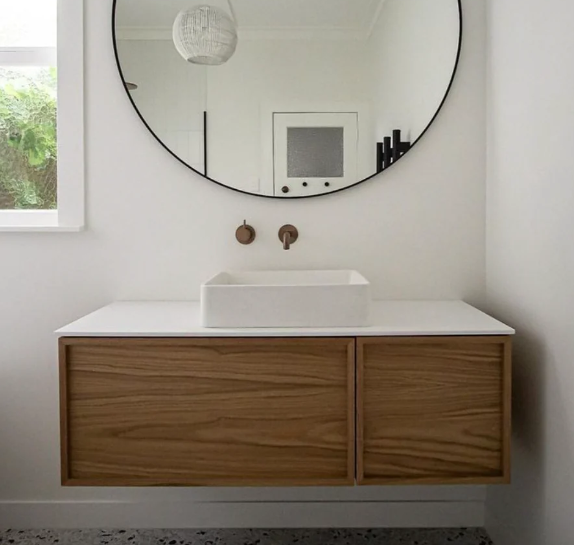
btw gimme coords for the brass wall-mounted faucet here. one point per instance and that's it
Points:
(288, 235)
(245, 234)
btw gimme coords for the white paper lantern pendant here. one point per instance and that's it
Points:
(205, 35)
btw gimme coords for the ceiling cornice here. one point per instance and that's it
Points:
(268, 33)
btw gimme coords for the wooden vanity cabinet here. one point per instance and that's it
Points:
(285, 411)
(433, 410)
(207, 412)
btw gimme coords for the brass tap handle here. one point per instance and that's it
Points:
(245, 234)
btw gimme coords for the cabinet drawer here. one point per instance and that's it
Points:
(433, 410)
(207, 412)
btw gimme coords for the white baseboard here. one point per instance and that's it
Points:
(166, 515)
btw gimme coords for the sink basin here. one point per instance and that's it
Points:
(265, 299)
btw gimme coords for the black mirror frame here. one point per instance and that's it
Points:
(434, 118)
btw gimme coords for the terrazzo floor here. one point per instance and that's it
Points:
(245, 537)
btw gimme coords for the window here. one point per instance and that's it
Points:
(41, 115)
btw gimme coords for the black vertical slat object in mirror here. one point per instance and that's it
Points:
(205, 143)
(388, 152)
(391, 150)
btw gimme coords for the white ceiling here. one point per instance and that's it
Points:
(349, 15)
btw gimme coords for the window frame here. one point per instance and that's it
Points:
(70, 215)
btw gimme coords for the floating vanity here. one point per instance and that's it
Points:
(151, 398)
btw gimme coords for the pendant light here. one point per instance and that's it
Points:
(206, 35)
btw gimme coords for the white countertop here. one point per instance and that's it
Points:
(389, 318)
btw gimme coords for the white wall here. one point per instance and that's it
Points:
(156, 230)
(171, 95)
(531, 258)
(412, 48)
(277, 72)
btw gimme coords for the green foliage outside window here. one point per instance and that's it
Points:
(28, 143)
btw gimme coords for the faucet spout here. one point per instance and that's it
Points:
(288, 235)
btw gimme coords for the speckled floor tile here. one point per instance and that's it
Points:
(245, 537)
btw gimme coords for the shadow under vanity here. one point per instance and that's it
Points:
(149, 397)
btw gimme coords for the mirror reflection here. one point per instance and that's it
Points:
(287, 98)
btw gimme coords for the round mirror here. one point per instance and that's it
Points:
(288, 98)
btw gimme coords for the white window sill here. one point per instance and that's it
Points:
(35, 221)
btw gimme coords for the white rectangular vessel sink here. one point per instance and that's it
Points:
(286, 299)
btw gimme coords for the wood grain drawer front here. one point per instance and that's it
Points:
(209, 412)
(433, 410)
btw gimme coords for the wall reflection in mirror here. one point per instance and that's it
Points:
(288, 98)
